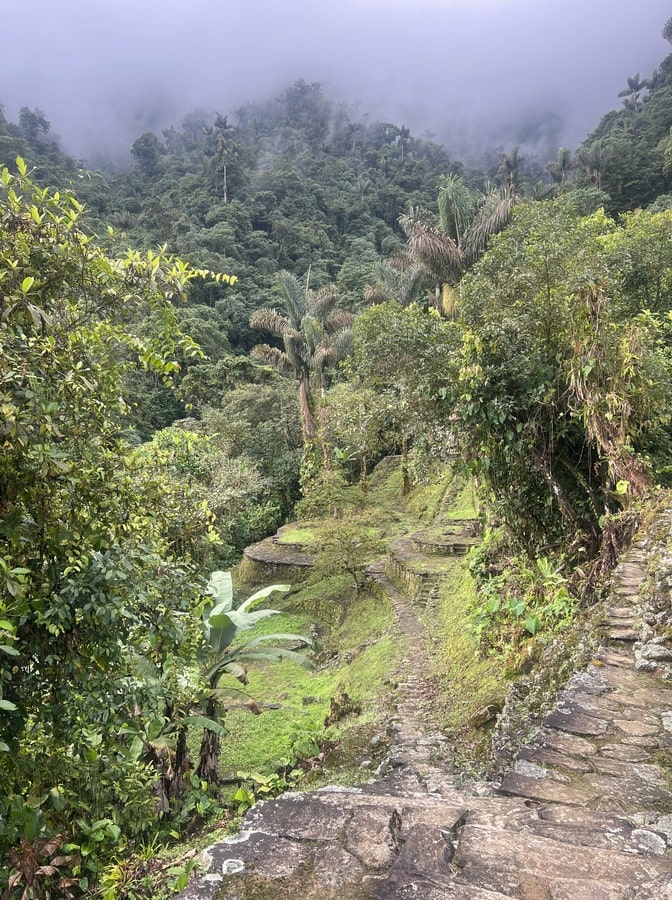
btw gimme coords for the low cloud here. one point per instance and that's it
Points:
(474, 74)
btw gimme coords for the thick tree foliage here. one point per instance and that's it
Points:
(562, 391)
(98, 553)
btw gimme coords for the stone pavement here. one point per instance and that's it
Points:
(585, 813)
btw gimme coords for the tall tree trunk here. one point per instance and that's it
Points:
(306, 405)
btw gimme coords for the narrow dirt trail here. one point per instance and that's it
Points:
(417, 741)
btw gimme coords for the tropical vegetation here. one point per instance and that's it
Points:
(321, 318)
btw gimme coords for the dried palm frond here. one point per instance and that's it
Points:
(270, 320)
(438, 252)
(272, 356)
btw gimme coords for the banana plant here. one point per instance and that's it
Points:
(221, 625)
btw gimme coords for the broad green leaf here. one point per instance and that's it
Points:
(220, 586)
(262, 594)
(205, 722)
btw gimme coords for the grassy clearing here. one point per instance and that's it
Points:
(265, 742)
(358, 661)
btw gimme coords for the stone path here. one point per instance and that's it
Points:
(415, 743)
(585, 814)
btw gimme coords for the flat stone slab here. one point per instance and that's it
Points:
(611, 658)
(501, 859)
(565, 742)
(581, 889)
(548, 790)
(543, 756)
(643, 789)
(625, 752)
(621, 612)
(628, 635)
(266, 856)
(567, 719)
(298, 816)
(635, 728)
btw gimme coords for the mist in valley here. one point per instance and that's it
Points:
(472, 75)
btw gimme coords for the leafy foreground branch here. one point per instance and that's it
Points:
(112, 650)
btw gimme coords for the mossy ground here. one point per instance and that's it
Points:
(362, 647)
(299, 534)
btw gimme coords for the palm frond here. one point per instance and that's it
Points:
(410, 284)
(416, 216)
(272, 356)
(337, 320)
(321, 304)
(492, 217)
(377, 293)
(294, 297)
(269, 320)
(342, 343)
(324, 357)
(297, 350)
(313, 332)
(436, 251)
(457, 205)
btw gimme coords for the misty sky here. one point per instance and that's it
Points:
(470, 71)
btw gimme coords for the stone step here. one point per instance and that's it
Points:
(548, 789)
(573, 825)
(511, 863)
(628, 635)
(621, 612)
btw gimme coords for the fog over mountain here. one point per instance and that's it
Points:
(475, 73)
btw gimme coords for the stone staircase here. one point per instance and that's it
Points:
(584, 814)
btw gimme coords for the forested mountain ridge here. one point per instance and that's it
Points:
(628, 154)
(354, 294)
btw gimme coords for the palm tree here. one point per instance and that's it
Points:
(400, 279)
(559, 169)
(632, 92)
(593, 159)
(449, 245)
(315, 334)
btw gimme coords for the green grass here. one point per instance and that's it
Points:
(467, 682)
(299, 535)
(366, 655)
(264, 743)
(366, 617)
